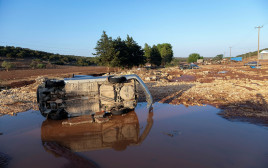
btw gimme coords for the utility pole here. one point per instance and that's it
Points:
(230, 51)
(258, 27)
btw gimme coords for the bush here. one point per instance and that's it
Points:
(41, 66)
(7, 65)
(194, 57)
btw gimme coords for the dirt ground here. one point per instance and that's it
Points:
(240, 91)
(14, 77)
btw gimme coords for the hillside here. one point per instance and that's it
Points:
(28, 58)
(251, 54)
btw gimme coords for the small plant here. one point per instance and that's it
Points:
(41, 66)
(37, 63)
(7, 65)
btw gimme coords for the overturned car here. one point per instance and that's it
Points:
(83, 94)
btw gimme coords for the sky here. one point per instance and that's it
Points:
(73, 27)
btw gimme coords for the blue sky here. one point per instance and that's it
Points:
(73, 27)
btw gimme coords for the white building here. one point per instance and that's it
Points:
(264, 55)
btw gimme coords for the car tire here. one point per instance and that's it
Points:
(54, 83)
(113, 79)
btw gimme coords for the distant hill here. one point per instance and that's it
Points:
(250, 54)
(11, 53)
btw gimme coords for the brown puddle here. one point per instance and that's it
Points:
(170, 136)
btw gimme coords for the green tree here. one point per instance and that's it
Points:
(135, 53)
(194, 57)
(218, 57)
(105, 51)
(10, 55)
(155, 58)
(121, 59)
(166, 52)
(21, 54)
(7, 65)
(147, 52)
(119, 53)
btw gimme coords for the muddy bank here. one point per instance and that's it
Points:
(237, 90)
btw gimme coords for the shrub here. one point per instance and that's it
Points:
(7, 65)
(41, 66)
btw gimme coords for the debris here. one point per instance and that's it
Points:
(101, 120)
(99, 114)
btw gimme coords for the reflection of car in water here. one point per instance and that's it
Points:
(117, 133)
(85, 94)
(67, 137)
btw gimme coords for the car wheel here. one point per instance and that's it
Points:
(54, 83)
(120, 79)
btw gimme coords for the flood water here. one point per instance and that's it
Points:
(170, 136)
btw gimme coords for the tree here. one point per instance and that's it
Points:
(21, 54)
(10, 55)
(135, 53)
(147, 52)
(119, 53)
(155, 57)
(194, 57)
(105, 50)
(218, 57)
(7, 65)
(166, 52)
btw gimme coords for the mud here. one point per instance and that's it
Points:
(240, 91)
(168, 136)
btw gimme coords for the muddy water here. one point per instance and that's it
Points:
(170, 136)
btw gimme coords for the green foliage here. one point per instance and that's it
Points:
(218, 57)
(40, 66)
(21, 54)
(147, 52)
(152, 55)
(18, 52)
(7, 65)
(194, 57)
(155, 58)
(166, 52)
(9, 55)
(105, 50)
(118, 53)
(37, 63)
(250, 54)
(134, 53)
